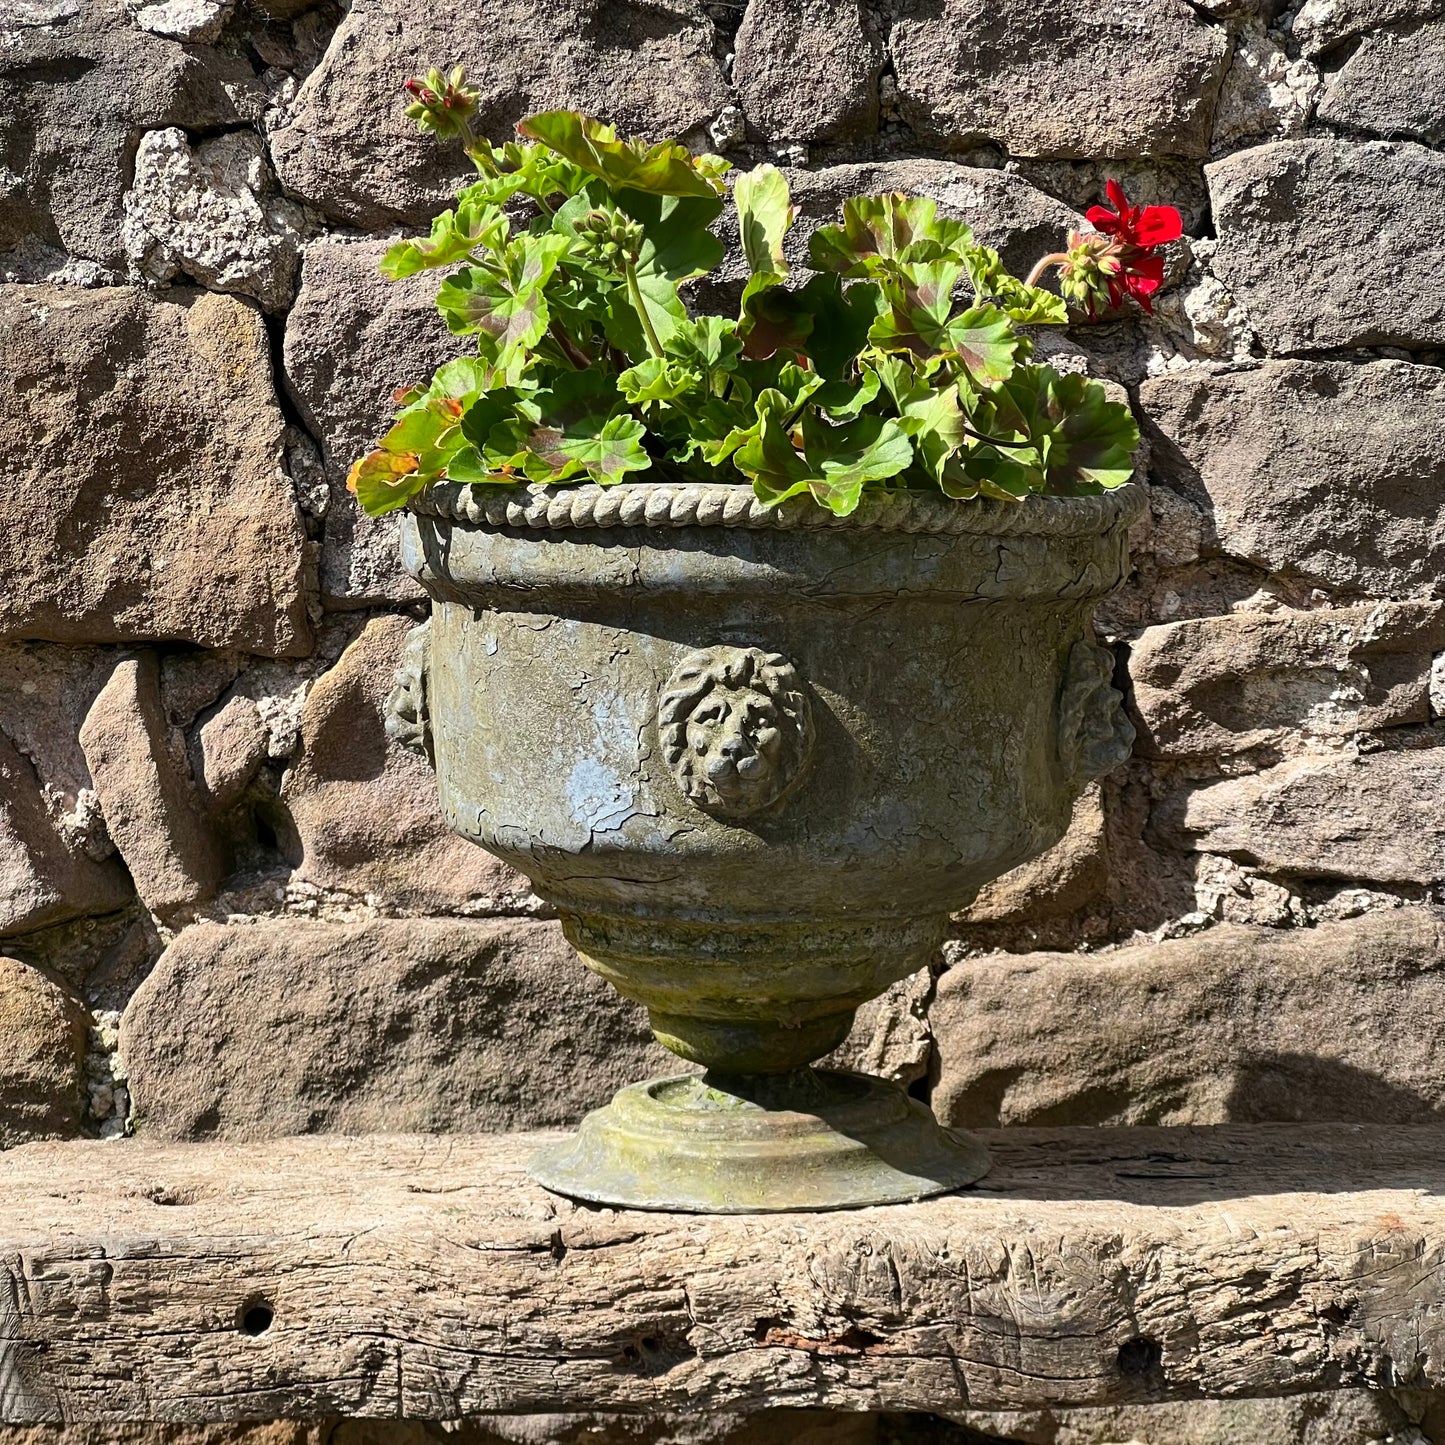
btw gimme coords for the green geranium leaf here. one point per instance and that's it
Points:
(984, 340)
(431, 425)
(917, 305)
(455, 235)
(657, 379)
(775, 321)
(576, 426)
(1099, 439)
(771, 462)
(880, 230)
(834, 464)
(463, 379)
(504, 305)
(765, 211)
(709, 343)
(382, 480)
(1024, 304)
(533, 170)
(1083, 441)
(667, 169)
(845, 458)
(841, 319)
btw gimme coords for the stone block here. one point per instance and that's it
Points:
(890, 1035)
(77, 93)
(148, 500)
(353, 338)
(1393, 85)
(233, 745)
(42, 1057)
(1286, 680)
(1341, 1022)
(212, 212)
(417, 1025)
(1314, 274)
(365, 809)
(150, 804)
(1084, 79)
(43, 879)
(1324, 471)
(1071, 874)
(808, 71)
(1320, 25)
(1379, 817)
(1265, 95)
(650, 69)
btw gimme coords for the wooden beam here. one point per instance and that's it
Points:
(429, 1278)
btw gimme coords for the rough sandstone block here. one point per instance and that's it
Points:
(148, 500)
(352, 338)
(286, 1027)
(1325, 471)
(1212, 686)
(42, 1057)
(1315, 275)
(150, 803)
(42, 880)
(233, 745)
(807, 71)
(1379, 817)
(1083, 79)
(1233, 1024)
(1071, 874)
(650, 69)
(365, 809)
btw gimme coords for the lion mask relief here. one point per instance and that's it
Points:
(736, 728)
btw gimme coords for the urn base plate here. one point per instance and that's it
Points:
(808, 1140)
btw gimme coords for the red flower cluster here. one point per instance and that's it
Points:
(1137, 232)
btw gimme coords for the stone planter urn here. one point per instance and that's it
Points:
(754, 758)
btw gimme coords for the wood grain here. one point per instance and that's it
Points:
(427, 1277)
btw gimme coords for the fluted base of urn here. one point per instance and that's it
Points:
(812, 1139)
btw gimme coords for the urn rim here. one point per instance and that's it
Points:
(667, 505)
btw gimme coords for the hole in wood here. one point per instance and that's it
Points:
(1140, 1356)
(255, 1317)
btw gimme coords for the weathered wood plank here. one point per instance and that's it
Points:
(427, 1277)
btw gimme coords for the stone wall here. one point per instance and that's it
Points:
(227, 904)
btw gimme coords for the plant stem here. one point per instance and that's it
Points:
(634, 294)
(994, 441)
(575, 355)
(485, 265)
(1033, 277)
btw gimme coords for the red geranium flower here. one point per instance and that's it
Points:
(1135, 225)
(1137, 232)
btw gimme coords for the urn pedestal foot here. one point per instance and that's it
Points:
(807, 1140)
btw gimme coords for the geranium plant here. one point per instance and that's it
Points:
(902, 362)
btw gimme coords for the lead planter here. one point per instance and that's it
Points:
(754, 758)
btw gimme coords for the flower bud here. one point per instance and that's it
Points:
(1087, 271)
(442, 103)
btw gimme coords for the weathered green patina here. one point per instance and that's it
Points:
(754, 758)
